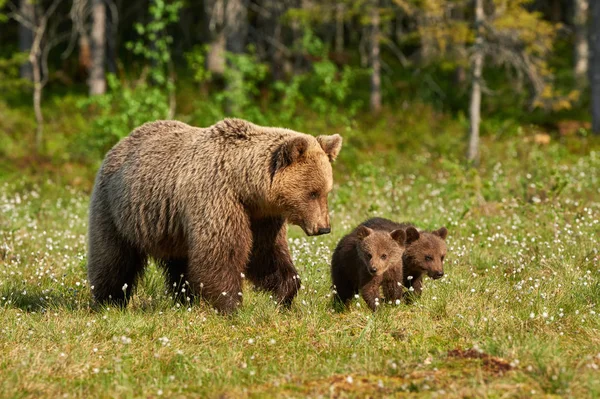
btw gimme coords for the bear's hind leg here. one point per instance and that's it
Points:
(113, 264)
(271, 267)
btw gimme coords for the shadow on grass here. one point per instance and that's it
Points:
(34, 299)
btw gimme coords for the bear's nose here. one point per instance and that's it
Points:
(439, 275)
(324, 230)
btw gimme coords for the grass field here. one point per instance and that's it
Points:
(516, 315)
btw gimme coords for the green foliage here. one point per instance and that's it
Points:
(196, 61)
(3, 17)
(243, 75)
(118, 112)
(154, 41)
(325, 90)
(9, 73)
(126, 106)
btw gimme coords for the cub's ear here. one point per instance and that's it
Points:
(399, 236)
(363, 231)
(331, 145)
(442, 232)
(289, 152)
(412, 235)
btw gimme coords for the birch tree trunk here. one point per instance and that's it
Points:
(580, 18)
(27, 10)
(97, 81)
(477, 68)
(375, 61)
(39, 81)
(595, 64)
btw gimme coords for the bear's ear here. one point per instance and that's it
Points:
(442, 232)
(399, 236)
(412, 235)
(363, 231)
(289, 152)
(331, 145)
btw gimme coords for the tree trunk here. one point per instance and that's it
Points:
(112, 19)
(215, 21)
(580, 18)
(236, 28)
(236, 25)
(375, 61)
(27, 10)
(595, 64)
(475, 107)
(97, 81)
(37, 104)
(339, 28)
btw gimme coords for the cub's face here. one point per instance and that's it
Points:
(380, 250)
(302, 180)
(427, 250)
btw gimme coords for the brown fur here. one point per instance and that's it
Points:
(361, 260)
(210, 204)
(424, 255)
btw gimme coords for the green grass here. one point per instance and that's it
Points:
(522, 290)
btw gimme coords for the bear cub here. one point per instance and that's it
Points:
(424, 254)
(361, 260)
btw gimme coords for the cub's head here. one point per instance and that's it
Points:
(379, 249)
(302, 178)
(426, 250)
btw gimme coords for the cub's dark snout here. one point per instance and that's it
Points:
(323, 230)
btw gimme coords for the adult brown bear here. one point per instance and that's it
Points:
(209, 204)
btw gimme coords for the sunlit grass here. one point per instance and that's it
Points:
(522, 285)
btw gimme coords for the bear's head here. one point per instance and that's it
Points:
(425, 251)
(379, 250)
(302, 178)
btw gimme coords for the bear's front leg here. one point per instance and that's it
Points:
(218, 255)
(370, 292)
(271, 267)
(392, 284)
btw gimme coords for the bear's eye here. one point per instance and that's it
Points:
(314, 195)
(384, 257)
(428, 258)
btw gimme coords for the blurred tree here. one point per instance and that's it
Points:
(374, 57)
(339, 27)
(580, 20)
(97, 81)
(595, 64)
(214, 11)
(507, 33)
(43, 23)
(79, 14)
(477, 69)
(27, 10)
